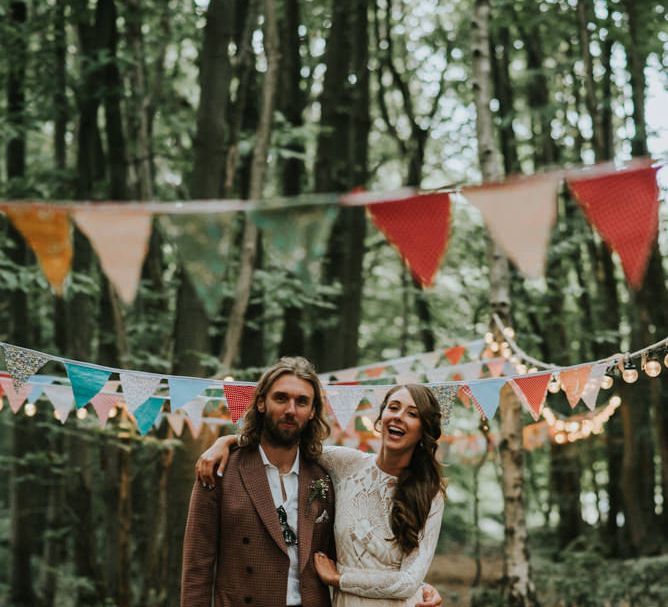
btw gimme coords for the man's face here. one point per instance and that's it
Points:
(288, 407)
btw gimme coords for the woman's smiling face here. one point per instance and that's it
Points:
(401, 427)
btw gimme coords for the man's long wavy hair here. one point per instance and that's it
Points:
(421, 480)
(315, 431)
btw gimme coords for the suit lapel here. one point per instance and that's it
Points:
(306, 518)
(255, 480)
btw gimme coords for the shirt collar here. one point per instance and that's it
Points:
(266, 462)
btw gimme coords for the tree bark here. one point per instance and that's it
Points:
(518, 586)
(60, 89)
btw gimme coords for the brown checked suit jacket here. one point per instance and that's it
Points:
(233, 549)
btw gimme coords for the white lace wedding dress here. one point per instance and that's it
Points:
(374, 571)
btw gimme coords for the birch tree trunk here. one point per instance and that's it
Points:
(518, 586)
(237, 315)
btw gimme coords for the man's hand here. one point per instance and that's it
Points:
(216, 454)
(430, 597)
(326, 569)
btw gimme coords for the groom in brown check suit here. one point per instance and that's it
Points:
(250, 539)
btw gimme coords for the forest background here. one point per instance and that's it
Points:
(177, 100)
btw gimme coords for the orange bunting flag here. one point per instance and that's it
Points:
(454, 354)
(573, 382)
(47, 231)
(624, 207)
(519, 214)
(120, 241)
(532, 390)
(418, 227)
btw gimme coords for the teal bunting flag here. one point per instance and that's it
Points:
(183, 390)
(486, 392)
(86, 382)
(146, 413)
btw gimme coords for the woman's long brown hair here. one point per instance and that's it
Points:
(421, 480)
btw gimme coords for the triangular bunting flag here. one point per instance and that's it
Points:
(86, 382)
(62, 399)
(195, 426)
(573, 382)
(22, 363)
(183, 389)
(486, 392)
(344, 402)
(471, 370)
(15, 397)
(120, 241)
(194, 409)
(38, 382)
(103, 404)
(593, 385)
(454, 354)
(372, 372)
(203, 244)
(623, 206)
(495, 366)
(137, 388)
(519, 214)
(47, 231)
(475, 348)
(429, 359)
(418, 227)
(532, 390)
(466, 397)
(239, 398)
(146, 413)
(176, 421)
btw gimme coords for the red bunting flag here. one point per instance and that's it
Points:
(624, 207)
(418, 227)
(454, 354)
(532, 390)
(238, 398)
(573, 382)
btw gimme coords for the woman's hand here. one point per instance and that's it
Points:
(430, 597)
(216, 455)
(326, 569)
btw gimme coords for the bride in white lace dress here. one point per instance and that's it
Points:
(389, 505)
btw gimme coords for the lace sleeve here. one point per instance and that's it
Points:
(404, 582)
(340, 461)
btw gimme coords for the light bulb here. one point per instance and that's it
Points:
(509, 332)
(30, 409)
(521, 369)
(112, 412)
(665, 360)
(615, 401)
(554, 386)
(82, 413)
(494, 347)
(506, 353)
(228, 378)
(653, 367)
(533, 370)
(606, 382)
(630, 374)
(489, 337)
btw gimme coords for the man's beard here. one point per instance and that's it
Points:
(279, 437)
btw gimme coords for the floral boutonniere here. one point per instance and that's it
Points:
(318, 489)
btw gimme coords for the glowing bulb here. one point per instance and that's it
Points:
(665, 360)
(554, 386)
(509, 332)
(489, 337)
(506, 353)
(560, 438)
(228, 378)
(615, 401)
(606, 382)
(112, 412)
(653, 367)
(521, 369)
(30, 409)
(514, 360)
(494, 347)
(533, 369)
(56, 414)
(82, 413)
(630, 375)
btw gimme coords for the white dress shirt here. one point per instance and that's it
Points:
(291, 506)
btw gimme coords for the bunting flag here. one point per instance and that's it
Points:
(486, 393)
(445, 395)
(430, 359)
(466, 398)
(38, 382)
(573, 383)
(47, 231)
(184, 389)
(194, 426)
(532, 391)
(15, 397)
(103, 404)
(137, 388)
(454, 354)
(344, 402)
(22, 363)
(121, 245)
(593, 385)
(624, 207)
(519, 214)
(176, 421)
(86, 382)
(62, 399)
(146, 413)
(471, 370)
(372, 372)
(204, 244)
(495, 366)
(296, 239)
(194, 409)
(418, 226)
(239, 398)
(474, 348)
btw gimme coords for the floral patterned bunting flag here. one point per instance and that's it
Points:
(22, 363)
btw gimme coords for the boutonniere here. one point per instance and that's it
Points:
(318, 489)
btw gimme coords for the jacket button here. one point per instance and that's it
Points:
(248, 599)
(246, 540)
(249, 570)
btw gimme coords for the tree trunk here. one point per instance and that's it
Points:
(519, 589)
(60, 88)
